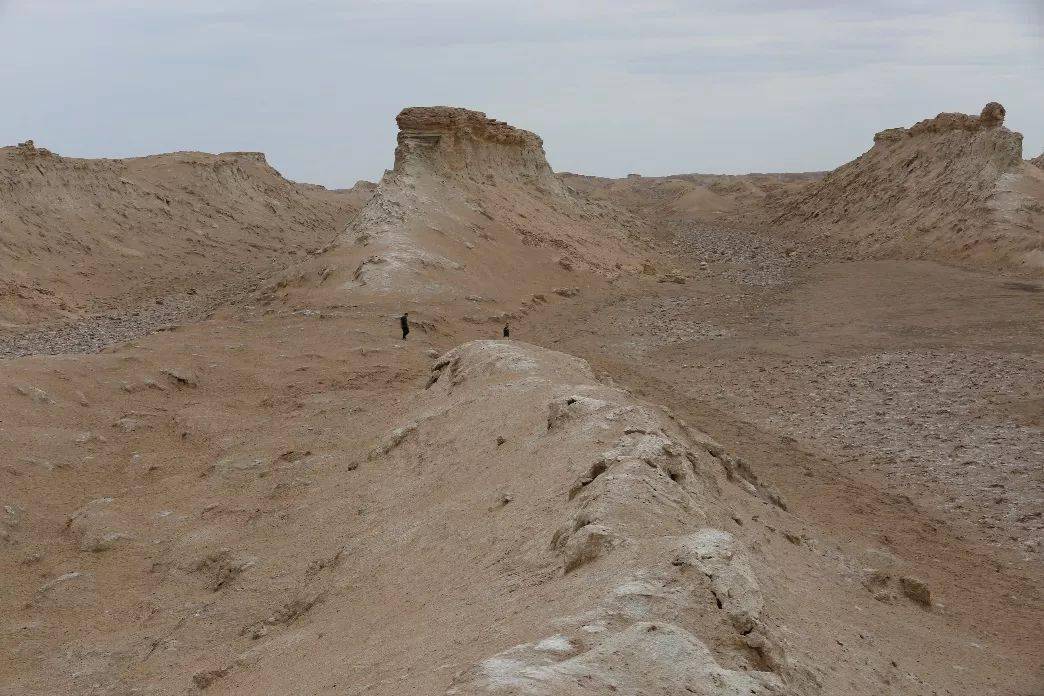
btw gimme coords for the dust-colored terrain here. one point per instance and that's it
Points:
(722, 199)
(714, 456)
(953, 187)
(167, 235)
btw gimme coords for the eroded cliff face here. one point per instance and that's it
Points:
(458, 142)
(956, 135)
(470, 204)
(951, 187)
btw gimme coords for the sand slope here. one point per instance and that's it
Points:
(84, 236)
(692, 198)
(953, 187)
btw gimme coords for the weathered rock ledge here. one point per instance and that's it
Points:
(419, 121)
(444, 138)
(991, 116)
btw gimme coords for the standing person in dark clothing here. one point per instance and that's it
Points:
(507, 331)
(404, 320)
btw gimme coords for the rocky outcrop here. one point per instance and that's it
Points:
(992, 116)
(453, 141)
(467, 192)
(676, 604)
(951, 187)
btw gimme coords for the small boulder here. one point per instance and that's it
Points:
(916, 589)
(391, 441)
(672, 277)
(207, 677)
(34, 393)
(102, 542)
(87, 438)
(51, 584)
(181, 378)
(127, 425)
(992, 115)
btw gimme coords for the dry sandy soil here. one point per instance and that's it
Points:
(93, 249)
(714, 457)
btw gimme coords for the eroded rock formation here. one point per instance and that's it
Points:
(953, 187)
(638, 528)
(470, 199)
(992, 116)
(467, 142)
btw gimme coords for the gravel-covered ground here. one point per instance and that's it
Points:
(930, 377)
(937, 422)
(736, 255)
(95, 333)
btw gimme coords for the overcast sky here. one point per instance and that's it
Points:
(618, 86)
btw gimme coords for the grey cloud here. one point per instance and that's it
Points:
(613, 86)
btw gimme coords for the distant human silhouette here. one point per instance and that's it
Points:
(404, 320)
(507, 331)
